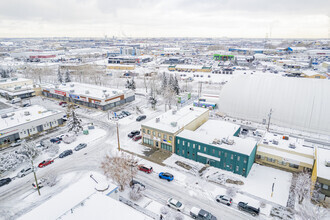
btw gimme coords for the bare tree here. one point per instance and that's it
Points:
(121, 168)
(136, 192)
(231, 191)
(308, 211)
(303, 186)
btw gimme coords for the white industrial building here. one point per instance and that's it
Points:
(93, 96)
(297, 103)
(16, 88)
(25, 122)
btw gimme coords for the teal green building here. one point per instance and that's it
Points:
(217, 143)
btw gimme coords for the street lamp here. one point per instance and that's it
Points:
(273, 187)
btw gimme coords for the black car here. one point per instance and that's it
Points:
(56, 140)
(5, 181)
(134, 182)
(245, 207)
(133, 133)
(141, 117)
(126, 113)
(65, 153)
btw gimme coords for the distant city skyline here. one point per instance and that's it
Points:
(165, 18)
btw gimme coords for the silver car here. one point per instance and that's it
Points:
(24, 172)
(224, 199)
(80, 146)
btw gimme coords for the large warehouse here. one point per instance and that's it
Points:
(297, 103)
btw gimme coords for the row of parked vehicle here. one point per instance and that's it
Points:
(135, 135)
(42, 164)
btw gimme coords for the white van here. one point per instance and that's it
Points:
(15, 100)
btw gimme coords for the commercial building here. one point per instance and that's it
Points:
(16, 88)
(129, 59)
(217, 143)
(321, 173)
(190, 68)
(93, 96)
(285, 152)
(223, 57)
(120, 67)
(25, 122)
(161, 132)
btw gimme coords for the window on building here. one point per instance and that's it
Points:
(194, 146)
(224, 164)
(170, 137)
(187, 153)
(183, 143)
(243, 171)
(154, 133)
(232, 156)
(238, 157)
(293, 165)
(225, 155)
(270, 160)
(199, 147)
(24, 132)
(148, 131)
(213, 151)
(244, 160)
(143, 130)
(237, 167)
(204, 149)
(182, 151)
(159, 135)
(231, 166)
(193, 154)
(165, 136)
(156, 143)
(219, 153)
(262, 157)
(324, 186)
(178, 141)
(188, 144)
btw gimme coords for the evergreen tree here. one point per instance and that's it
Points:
(59, 76)
(67, 76)
(133, 87)
(74, 123)
(128, 85)
(176, 86)
(164, 82)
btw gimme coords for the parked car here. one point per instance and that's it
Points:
(136, 138)
(15, 100)
(56, 140)
(25, 172)
(80, 146)
(133, 133)
(201, 214)
(16, 144)
(134, 182)
(26, 105)
(167, 176)
(45, 163)
(175, 204)
(65, 153)
(61, 103)
(5, 181)
(224, 199)
(243, 206)
(40, 183)
(145, 168)
(141, 117)
(126, 113)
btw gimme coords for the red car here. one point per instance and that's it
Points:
(45, 163)
(145, 169)
(61, 103)
(136, 138)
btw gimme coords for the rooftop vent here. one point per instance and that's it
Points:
(275, 142)
(14, 79)
(173, 112)
(26, 113)
(114, 92)
(71, 85)
(174, 123)
(327, 163)
(56, 86)
(216, 141)
(191, 108)
(87, 92)
(72, 91)
(157, 120)
(227, 141)
(104, 90)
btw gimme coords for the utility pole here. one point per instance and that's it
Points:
(35, 177)
(118, 137)
(269, 117)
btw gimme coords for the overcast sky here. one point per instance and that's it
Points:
(165, 18)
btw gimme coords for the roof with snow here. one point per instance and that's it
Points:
(26, 115)
(298, 103)
(323, 155)
(182, 117)
(216, 129)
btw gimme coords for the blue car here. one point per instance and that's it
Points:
(167, 176)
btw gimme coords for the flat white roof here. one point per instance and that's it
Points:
(17, 117)
(182, 117)
(216, 129)
(81, 88)
(288, 157)
(323, 155)
(285, 144)
(4, 81)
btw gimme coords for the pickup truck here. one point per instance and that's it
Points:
(201, 214)
(245, 207)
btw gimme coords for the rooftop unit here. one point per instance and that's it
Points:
(174, 123)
